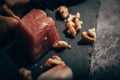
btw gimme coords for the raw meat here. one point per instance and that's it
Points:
(36, 33)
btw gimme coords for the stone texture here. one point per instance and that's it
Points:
(105, 64)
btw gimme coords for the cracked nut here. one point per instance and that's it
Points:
(72, 17)
(26, 73)
(61, 44)
(54, 60)
(89, 36)
(71, 30)
(74, 24)
(78, 24)
(76, 20)
(63, 10)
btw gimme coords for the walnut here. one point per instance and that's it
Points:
(73, 17)
(92, 32)
(54, 60)
(78, 24)
(63, 10)
(74, 24)
(89, 36)
(71, 30)
(61, 44)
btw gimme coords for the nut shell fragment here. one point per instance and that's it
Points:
(74, 24)
(63, 10)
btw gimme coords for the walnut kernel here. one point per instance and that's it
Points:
(63, 10)
(61, 44)
(54, 60)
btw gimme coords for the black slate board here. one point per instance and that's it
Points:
(77, 58)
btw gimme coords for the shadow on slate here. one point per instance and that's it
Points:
(83, 42)
(16, 54)
(78, 57)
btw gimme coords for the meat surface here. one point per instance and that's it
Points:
(36, 33)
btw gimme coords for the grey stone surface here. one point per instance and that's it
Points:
(105, 64)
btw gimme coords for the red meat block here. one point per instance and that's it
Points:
(36, 33)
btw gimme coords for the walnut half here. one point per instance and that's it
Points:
(61, 44)
(74, 24)
(89, 36)
(63, 10)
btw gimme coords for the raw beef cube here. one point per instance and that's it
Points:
(36, 33)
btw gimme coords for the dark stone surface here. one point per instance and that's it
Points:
(8, 69)
(105, 63)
